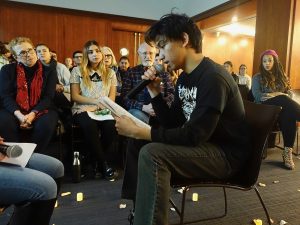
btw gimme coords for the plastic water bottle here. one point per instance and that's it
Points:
(76, 168)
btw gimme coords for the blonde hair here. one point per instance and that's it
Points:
(17, 41)
(113, 61)
(85, 67)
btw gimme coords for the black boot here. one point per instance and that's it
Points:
(34, 213)
(108, 172)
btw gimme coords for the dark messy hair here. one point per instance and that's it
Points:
(3, 49)
(274, 78)
(77, 51)
(228, 63)
(171, 27)
(124, 57)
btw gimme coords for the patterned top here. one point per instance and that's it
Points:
(95, 91)
(133, 77)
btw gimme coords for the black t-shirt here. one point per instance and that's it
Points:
(207, 108)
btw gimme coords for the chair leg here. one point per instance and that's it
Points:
(175, 206)
(60, 142)
(297, 150)
(263, 205)
(183, 200)
(185, 189)
(225, 202)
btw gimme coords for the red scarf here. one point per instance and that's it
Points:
(26, 104)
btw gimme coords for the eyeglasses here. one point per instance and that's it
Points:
(108, 56)
(78, 56)
(26, 52)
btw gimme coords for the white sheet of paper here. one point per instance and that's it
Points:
(120, 111)
(100, 117)
(23, 159)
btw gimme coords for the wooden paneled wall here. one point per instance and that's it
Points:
(243, 11)
(238, 50)
(295, 49)
(67, 30)
(277, 28)
(232, 50)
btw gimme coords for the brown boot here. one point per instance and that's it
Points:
(287, 156)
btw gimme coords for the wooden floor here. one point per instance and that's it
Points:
(102, 200)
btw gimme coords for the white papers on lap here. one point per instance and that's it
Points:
(119, 111)
(100, 117)
(23, 159)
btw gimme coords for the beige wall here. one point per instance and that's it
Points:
(233, 50)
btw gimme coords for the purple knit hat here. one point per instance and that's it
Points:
(269, 52)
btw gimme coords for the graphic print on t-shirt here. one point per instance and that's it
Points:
(188, 99)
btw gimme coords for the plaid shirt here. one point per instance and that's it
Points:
(133, 78)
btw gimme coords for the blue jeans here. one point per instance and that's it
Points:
(140, 115)
(157, 162)
(34, 182)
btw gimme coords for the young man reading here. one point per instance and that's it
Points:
(203, 133)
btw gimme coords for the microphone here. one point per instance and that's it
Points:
(12, 151)
(140, 86)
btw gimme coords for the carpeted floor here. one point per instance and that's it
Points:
(102, 200)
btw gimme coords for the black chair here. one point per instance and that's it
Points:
(261, 119)
(244, 90)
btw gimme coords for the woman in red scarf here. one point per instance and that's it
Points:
(27, 89)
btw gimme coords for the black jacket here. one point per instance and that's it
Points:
(8, 88)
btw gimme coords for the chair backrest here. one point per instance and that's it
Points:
(244, 90)
(261, 119)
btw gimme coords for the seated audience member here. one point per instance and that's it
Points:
(110, 59)
(121, 73)
(204, 132)
(271, 86)
(53, 55)
(4, 55)
(63, 74)
(77, 58)
(27, 89)
(62, 94)
(69, 63)
(140, 106)
(229, 67)
(33, 189)
(123, 63)
(89, 81)
(9, 55)
(244, 78)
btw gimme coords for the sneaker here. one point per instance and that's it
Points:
(287, 156)
(131, 217)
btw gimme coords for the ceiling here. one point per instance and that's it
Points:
(244, 27)
(146, 9)
(152, 10)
